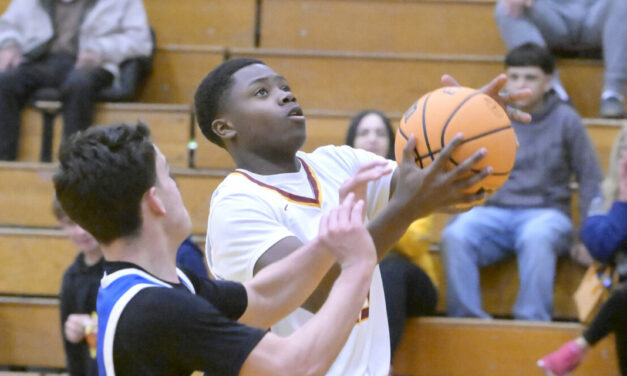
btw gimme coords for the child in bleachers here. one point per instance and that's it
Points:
(529, 216)
(605, 235)
(407, 272)
(79, 290)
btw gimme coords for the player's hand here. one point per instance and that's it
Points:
(343, 233)
(10, 57)
(515, 8)
(358, 183)
(88, 59)
(74, 327)
(623, 175)
(494, 91)
(420, 192)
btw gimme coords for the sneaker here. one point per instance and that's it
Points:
(612, 107)
(562, 361)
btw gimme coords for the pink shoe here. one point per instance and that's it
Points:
(562, 361)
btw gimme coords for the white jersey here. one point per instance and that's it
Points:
(249, 213)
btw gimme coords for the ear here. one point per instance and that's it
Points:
(153, 202)
(223, 128)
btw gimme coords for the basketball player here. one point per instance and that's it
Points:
(154, 319)
(269, 206)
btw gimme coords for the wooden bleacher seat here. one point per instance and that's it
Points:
(178, 69)
(464, 347)
(30, 332)
(425, 26)
(27, 191)
(391, 82)
(203, 22)
(169, 126)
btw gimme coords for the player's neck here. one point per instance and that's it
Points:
(154, 252)
(267, 165)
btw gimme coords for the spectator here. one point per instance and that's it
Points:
(559, 23)
(529, 216)
(605, 235)
(73, 45)
(78, 297)
(407, 271)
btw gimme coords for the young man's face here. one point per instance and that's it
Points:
(532, 78)
(177, 217)
(263, 112)
(77, 235)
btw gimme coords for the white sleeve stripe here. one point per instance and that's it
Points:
(186, 281)
(112, 323)
(110, 278)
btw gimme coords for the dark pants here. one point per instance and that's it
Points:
(612, 317)
(78, 89)
(408, 293)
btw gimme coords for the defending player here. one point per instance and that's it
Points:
(157, 320)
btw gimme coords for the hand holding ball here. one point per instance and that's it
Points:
(443, 113)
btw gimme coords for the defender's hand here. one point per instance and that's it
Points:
(358, 183)
(493, 90)
(343, 233)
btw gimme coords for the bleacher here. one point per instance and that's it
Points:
(339, 56)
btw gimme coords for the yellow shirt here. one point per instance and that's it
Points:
(415, 246)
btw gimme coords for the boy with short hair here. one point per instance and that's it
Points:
(529, 216)
(78, 297)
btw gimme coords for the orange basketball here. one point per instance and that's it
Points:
(441, 114)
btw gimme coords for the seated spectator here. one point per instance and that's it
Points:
(529, 216)
(558, 23)
(605, 235)
(73, 45)
(79, 290)
(408, 275)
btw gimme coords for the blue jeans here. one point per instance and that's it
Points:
(485, 235)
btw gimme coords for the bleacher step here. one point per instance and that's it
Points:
(464, 347)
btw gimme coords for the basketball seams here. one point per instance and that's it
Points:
(448, 121)
(493, 131)
(424, 129)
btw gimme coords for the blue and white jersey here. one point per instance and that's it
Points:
(116, 291)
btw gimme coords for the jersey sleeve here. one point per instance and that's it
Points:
(177, 331)
(229, 297)
(240, 229)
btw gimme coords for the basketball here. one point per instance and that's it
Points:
(441, 114)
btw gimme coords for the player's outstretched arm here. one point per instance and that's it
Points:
(284, 285)
(312, 348)
(494, 90)
(420, 192)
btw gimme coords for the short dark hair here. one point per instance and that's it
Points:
(531, 54)
(212, 90)
(102, 176)
(351, 134)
